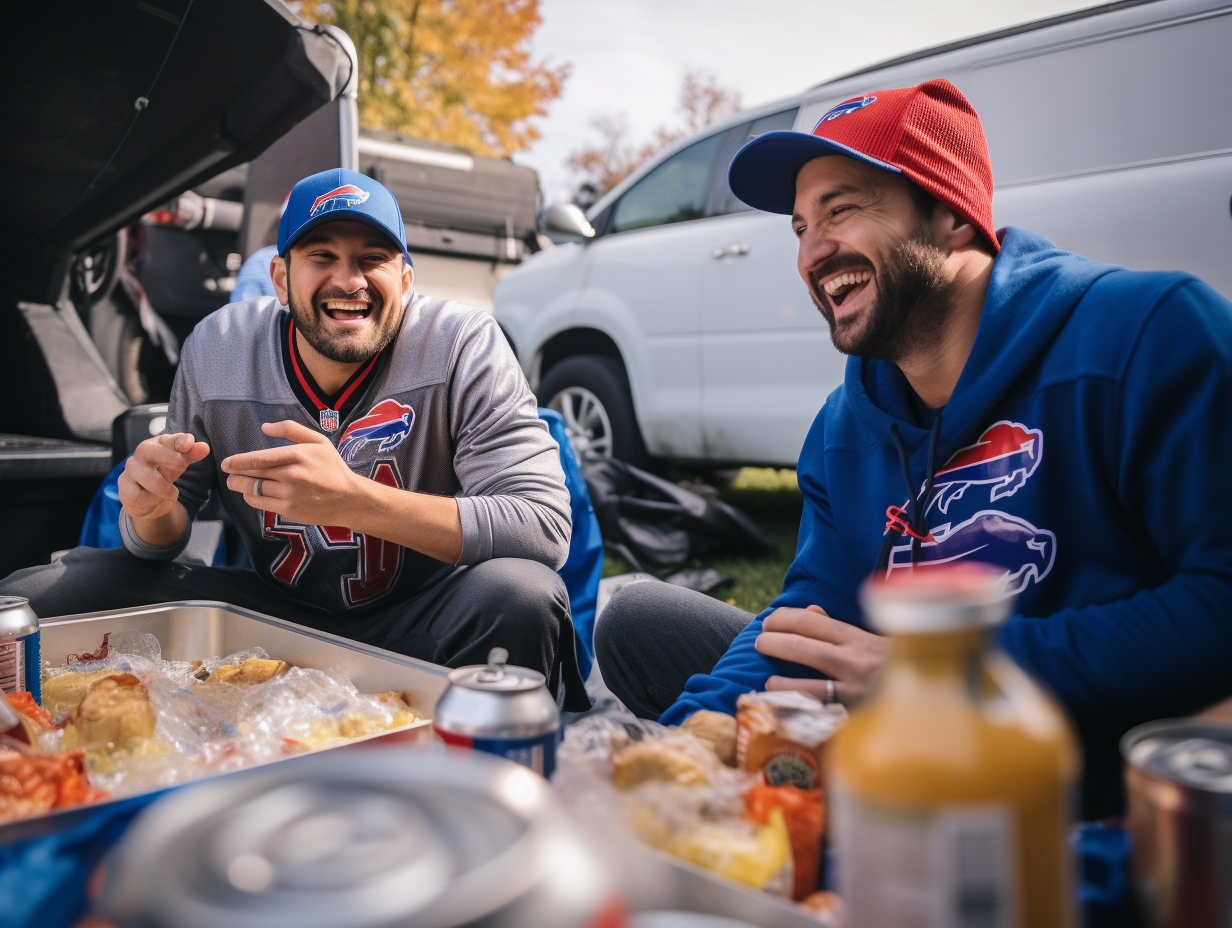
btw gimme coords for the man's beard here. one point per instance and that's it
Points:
(909, 310)
(344, 348)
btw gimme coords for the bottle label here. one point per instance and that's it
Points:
(949, 866)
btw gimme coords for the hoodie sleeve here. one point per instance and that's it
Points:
(1163, 651)
(743, 668)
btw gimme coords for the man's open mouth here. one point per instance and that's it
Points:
(842, 285)
(347, 310)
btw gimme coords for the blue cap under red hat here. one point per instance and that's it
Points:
(929, 133)
(340, 194)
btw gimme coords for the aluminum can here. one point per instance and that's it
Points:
(502, 710)
(20, 659)
(362, 838)
(1179, 777)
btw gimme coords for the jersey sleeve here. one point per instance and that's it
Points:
(513, 500)
(185, 413)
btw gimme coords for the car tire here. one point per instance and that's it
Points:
(592, 393)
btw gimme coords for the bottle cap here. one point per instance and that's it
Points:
(937, 599)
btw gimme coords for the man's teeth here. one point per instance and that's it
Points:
(844, 280)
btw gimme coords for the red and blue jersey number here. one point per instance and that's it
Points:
(378, 560)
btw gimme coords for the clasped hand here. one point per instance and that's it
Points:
(306, 481)
(848, 655)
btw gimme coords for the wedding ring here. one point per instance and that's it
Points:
(830, 694)
(256, 491)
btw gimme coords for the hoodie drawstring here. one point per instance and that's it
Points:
(910, 520)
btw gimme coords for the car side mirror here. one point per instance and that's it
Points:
(567, 218)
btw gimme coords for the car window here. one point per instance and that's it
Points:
(674, 191)
(722, 199)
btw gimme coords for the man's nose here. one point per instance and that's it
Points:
(350, 276)
(815, 247)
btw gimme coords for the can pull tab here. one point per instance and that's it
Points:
(496, 666)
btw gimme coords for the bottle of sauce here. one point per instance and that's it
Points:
(952, 784)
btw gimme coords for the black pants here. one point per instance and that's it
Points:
(651, 637)
(515, 604)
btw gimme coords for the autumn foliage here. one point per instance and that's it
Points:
(457, 71)
(606, 163)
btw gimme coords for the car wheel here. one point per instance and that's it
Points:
(592, 395)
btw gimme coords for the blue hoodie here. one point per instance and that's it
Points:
(1087, 449)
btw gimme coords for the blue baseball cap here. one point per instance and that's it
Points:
(340, 194)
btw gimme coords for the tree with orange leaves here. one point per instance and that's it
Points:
(457, 71)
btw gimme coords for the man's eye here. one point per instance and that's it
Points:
(840, 209)
(798, 230)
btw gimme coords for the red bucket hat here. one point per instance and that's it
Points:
(929, 133)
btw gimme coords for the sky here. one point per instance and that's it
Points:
(629, 56)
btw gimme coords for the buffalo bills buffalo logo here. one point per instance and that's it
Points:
(1004, 457)
(343, 197)
(1024, 551)
(846, 107)
(388, 422)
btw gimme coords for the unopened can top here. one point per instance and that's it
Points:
(1192, 754)
(931, 599)
(497, 676)
(17, 619)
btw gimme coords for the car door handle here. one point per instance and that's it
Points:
(730, 251)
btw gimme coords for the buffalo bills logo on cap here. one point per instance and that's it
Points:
(388, 422)
(847, 107)
(343, 197)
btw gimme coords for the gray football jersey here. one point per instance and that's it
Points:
(448, 413)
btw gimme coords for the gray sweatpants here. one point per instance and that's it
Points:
(651, 637)
(511, 603)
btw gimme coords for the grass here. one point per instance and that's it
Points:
(772, 499)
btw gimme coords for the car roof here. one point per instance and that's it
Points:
(134, 103)
(835, 83)
(984, 38)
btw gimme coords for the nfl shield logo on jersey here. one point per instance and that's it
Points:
(329, 420)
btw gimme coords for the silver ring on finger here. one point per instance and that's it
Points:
(256, 487)
(831, 696)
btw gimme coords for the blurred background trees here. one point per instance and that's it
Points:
(457, 71)
(602, 165)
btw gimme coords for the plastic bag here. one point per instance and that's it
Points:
(697, 814)
(658, 526)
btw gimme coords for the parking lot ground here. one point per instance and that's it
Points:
(772, 499)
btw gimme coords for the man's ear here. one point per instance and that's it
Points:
(951, 230)
(278, 274)
(408, 276)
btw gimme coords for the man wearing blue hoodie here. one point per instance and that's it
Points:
(1004, 401)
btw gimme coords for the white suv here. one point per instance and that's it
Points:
(681, 329)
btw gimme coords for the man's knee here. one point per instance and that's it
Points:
(626, 619)
(525, 594)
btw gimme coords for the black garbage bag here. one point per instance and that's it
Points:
(658, 526)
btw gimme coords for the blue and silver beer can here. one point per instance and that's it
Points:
(20, 660)
(503, 710)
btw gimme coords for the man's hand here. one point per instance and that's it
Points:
(147, 485)
(307, 481)
(848, 655)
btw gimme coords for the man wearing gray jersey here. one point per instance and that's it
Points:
(379, 452)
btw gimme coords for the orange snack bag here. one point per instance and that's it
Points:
(30, 784)
(24, 703)
(804, 812)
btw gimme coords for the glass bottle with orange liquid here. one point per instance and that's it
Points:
(952, 784)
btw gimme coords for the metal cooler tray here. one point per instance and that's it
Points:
(199, 630)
